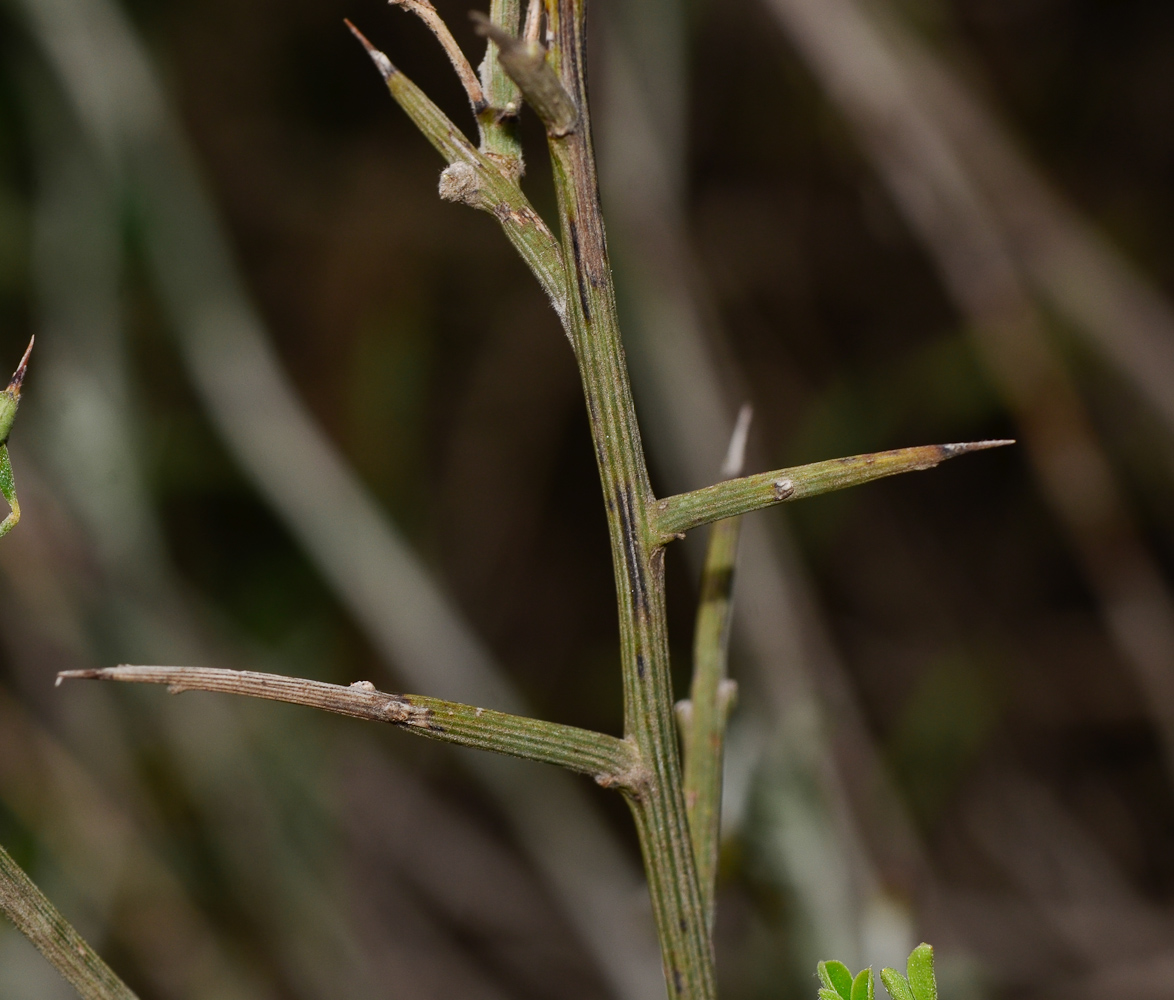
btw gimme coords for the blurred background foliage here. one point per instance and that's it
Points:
(952, 726)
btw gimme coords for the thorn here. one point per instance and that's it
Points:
(18, 375)
(736, 453)
(382, 63)
(951, 450)
(83, 675)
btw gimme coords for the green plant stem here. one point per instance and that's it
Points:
(703, 717)
(38, 919)
(677, 514)
(8, 489)
(637, 559)
(610, 761)
(9, 404)
(498, 123)
(525, 62)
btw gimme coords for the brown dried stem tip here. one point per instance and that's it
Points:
(382, 63)
(18, 375)
(525, 62)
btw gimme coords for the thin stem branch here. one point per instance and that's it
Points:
(38, 920)
(475, 179)
(702, 719)
(424, 10)
(677, 514)
(610, 761)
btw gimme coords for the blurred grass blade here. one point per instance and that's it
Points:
(38, 920)
(1087, 280)
(869, 79)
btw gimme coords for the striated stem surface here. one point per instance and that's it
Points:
(38, 920)
(610, 761)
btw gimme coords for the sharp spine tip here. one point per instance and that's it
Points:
(18, 375)
(382, 63)
(950, 450)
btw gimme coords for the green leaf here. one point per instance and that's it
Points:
(863, 987)
(896, 984)
(921, 976)
(835, 976)
(829, 995)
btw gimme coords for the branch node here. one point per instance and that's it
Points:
(634, 780)
(525, 63)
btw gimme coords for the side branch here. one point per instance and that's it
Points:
(525, 62)
(677, 514)
(474, 179)
(612, 762)
(38, 920)
(424, 10)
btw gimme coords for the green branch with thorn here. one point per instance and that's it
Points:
(9, 401)
(668, 769)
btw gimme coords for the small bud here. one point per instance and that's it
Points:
(782, 488)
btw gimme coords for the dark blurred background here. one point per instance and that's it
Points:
(288, 411)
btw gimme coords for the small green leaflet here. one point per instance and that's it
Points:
(918, 984)
(838, 983)
(921, 983)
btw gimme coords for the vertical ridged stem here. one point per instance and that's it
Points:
(638, 560)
